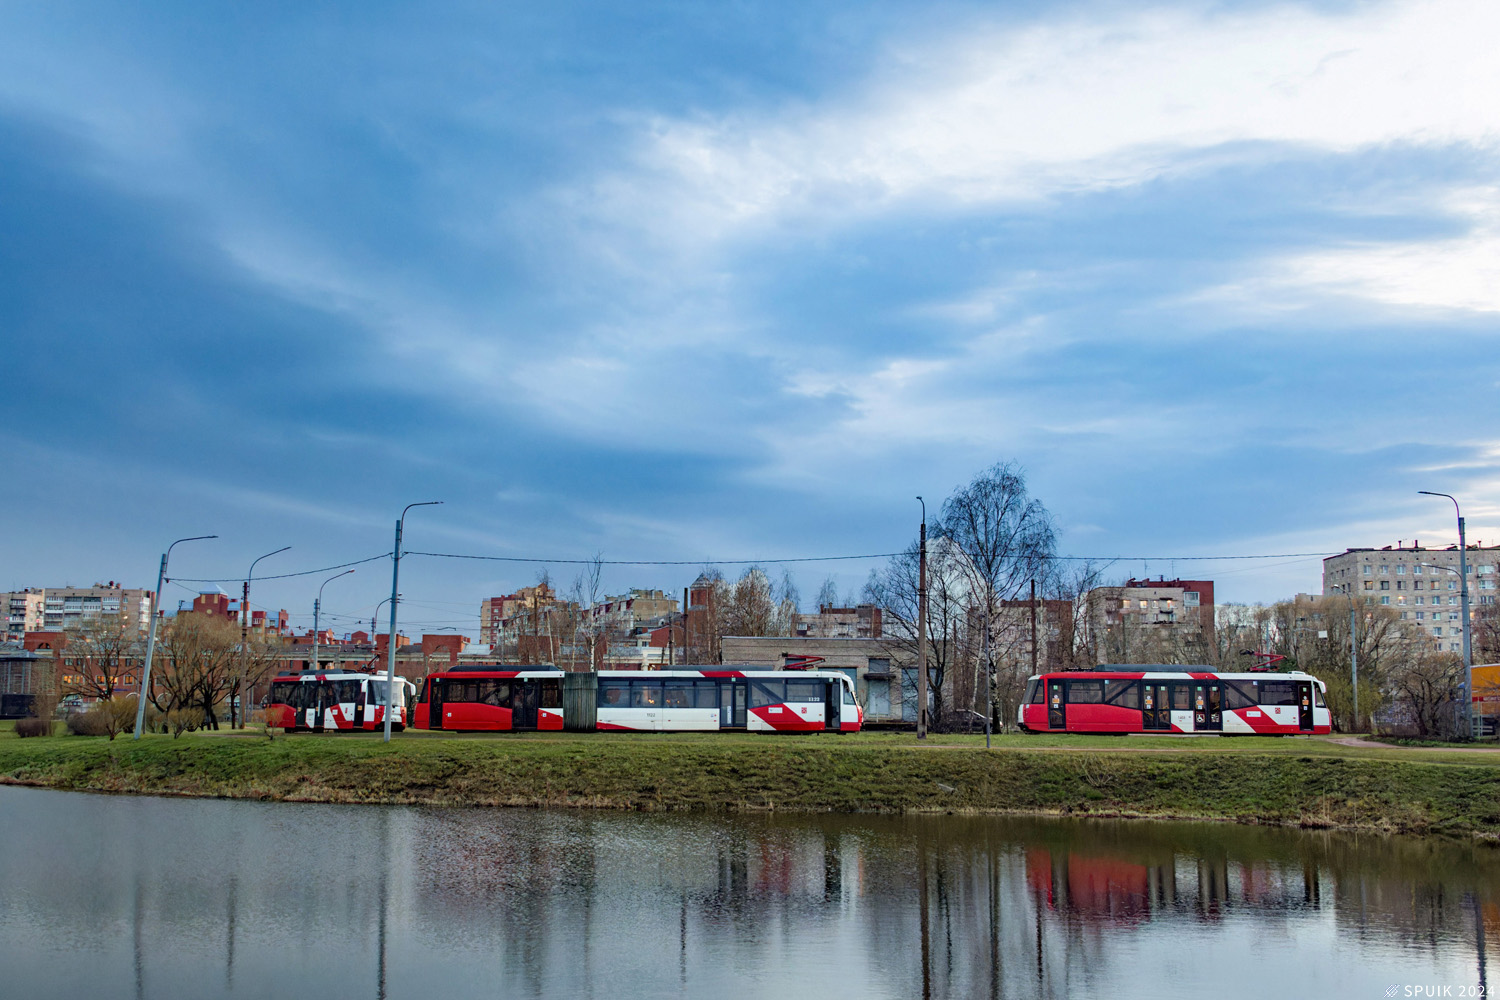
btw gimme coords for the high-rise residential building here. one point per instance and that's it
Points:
(859, 622)
(53, 609)
(1420, 584)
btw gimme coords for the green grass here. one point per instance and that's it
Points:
(1303, 781)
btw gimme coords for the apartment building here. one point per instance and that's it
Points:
(1422, 584)
(633, 607)
(54, 609)
(859, 622)
(495, 613)
(1156, 602)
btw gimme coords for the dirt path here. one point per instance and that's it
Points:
(1355, 741)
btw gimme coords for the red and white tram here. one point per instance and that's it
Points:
(321, 700)
(758, 701)
(481, 697)
(489, 697)
(1152, 699)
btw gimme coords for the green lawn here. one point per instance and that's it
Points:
(1306, 781)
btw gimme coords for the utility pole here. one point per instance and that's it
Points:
(317, 602)
(1463, 600)
(390, 649)
(1354, 660)
(245, 636)
(1033, 628)
(922, 628)
(989, 687)
(161, 577)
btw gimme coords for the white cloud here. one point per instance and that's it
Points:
(1458, 273)
(997, 116)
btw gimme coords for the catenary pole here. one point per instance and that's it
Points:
(161, 577)
(922, 627)
(245, 635)
(1463, 600)
(390, 649)
(1354, 659)
(317, 602)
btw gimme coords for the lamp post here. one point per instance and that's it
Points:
(317, 602)
(390, 650)
(245, 630)
(1463, 601)
(161, 576)
(922, 628)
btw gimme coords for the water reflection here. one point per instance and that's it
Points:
(167, 898)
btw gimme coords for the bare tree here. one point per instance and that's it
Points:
(894, 590)
(199, 654)
(828, 594)
(1007, 540)
(102, 655)
(1427, 687)
(584, 595)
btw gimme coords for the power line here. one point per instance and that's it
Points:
(282, 576)
(652, 562)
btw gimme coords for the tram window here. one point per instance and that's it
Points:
(1182, 698)
(494, 692)
(282, 694)
(1034, 692)
(1085, 692)
(1126, 694)
(1278, 693)
(462, 691)
(1318, 696)
(1240, 694)
(764, 693)
(705, 694)
(805, 691)
(679, 694)
(848, 694)
(347, 691)
(645, 694)
(615, 694)
(551, 694)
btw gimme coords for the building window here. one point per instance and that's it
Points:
(1401, 570)
(1400, 584)
(1385, 585)
(1437, 630)
(1369, 585)
(1421, 600)
(1385, 600)
(1385, 571)
(1367, 569)
(1416, 570)
(1421, 615)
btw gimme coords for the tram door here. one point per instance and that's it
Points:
(523, 705)
(1304, 706)
(732, 704)
(359, 704)
(1208, 703)
(833, 708)
(1056, 712)
(435, 704)
(1156, 708)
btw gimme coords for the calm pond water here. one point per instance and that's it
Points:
(140, 897)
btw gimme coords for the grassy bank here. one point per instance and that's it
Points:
(1304, 782)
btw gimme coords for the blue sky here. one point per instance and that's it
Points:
(697, 282)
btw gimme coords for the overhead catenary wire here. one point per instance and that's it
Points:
(280, 576)
(541, 560)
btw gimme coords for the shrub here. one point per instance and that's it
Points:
(92, 722)
(33, 727)
(184, 720)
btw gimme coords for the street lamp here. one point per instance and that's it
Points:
(390, 662)
(161, 576)
(245, 629)
(922, 627)
(1463, 601)
(317, 601)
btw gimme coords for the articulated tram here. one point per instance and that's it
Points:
(1143, 700)
(320, 700)
(481, 697)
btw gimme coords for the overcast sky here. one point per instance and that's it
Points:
(738, 281)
